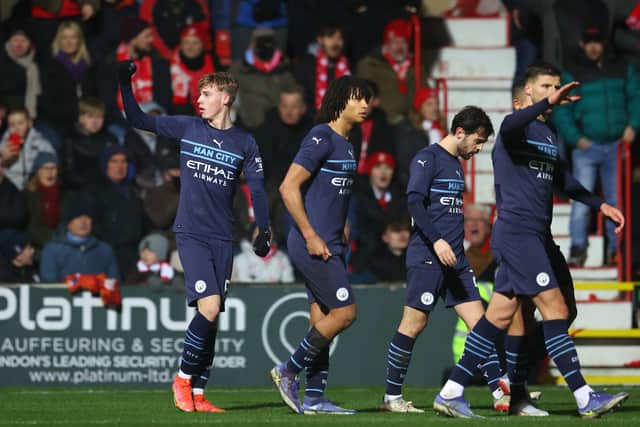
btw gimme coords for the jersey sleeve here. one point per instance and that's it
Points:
(421, 171)
(254, 175)
(314, 151)
(174, 126)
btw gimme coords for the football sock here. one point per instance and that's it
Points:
(317, 375)
(398, 358)
(309, 348)
(199, 382)
(563, 352)
(194, 350)
(517, 366)
(491, 371)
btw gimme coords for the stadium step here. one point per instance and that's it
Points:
(595, 255)
(491, 94)
(599, 318)
(479, 32)
(473, 63)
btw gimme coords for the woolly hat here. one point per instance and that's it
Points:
(108, 153)
(592, 34)
(397, 28)
(42, 159)
(156, 243)
(380, 157)
(422, 95)
(131, 26)
(77, 207)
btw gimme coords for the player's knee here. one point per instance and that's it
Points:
(347, 316)
(210, 311)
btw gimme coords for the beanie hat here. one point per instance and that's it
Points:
(592, 34)
(422, 95)
(77, 207)
(380, 157)
(131, 26)
(108, 153)
(397, 28)
(42, 159)
(198, 30)
(156, 243)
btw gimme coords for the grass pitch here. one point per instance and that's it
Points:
(262, 406)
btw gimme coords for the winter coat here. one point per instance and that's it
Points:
(161, 205)
(40, 232)
(20, 170)
(63, 256)
(409, 141)
(13, 81)
(18, 215)
(249, 267)
(80, 158)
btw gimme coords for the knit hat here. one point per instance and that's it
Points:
(380, 157)
(156, 243)
(108, 153)
(592, 34)
(422, 95)
(77, 207)
(18, 27)
(13, 242)
(198, 30)
(397, 28)
(131, 26)
(42, 159)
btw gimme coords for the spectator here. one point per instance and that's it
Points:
(20, 145)
(250, 268)
(169, 18)
(82, 148)
(19, 73)
(67, 77)
(608, 112)
(152, 267)
(17, 258)
(151, 82)
(76, 250)
(145, 150)
(373, 134)
(477, 232)
(189, 62)
(161, 203)
(262, 74)
(392, 71)
(45, 199)
(18, 216)
(387, 262)
(119, 213)
(377, 198)
(423, 127)
(324, 62)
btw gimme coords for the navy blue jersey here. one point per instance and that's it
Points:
(211, 161)
(436, 177)
(527, 168)
(329, 158)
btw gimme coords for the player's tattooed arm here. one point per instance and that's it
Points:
(292, 198)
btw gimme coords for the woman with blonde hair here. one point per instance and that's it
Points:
(67, 77)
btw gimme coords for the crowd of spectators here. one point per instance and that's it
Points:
(82, 192)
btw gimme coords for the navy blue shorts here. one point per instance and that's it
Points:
(427, 283)
(327, 281)
(528, 263)
(207, 264)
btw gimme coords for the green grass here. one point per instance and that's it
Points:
(262, 406)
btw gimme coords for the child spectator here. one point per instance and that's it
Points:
(20, 145)
(387, 262)
(249, 267)
(82, 148)
(152, 267)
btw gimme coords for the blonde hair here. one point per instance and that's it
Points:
(82, 53)
(91, 105)
(224, 82)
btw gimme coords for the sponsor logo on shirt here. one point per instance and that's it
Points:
(544, 169)
(316, 140)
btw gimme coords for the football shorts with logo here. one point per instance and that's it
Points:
(430, 280)
(207, 264)
(327, 281)
(528, 263)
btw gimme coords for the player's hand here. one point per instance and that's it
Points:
(584, 144)
(317, 247)
(629, 135)
(614, 215)
(445, 253)
(561, 96)
(126, 70)
(262, 243)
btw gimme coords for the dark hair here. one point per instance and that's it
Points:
(19, 110)
(293, 88)
(375, 90)
(518, 86)
(471, 119)
(540, 69)
(329, 29)
(397, 222)
(340, 91)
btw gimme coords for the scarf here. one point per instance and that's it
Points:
(264, 66)
(322, 75)
(367, 128)
(401, 69)
(141, 81)
(50, 205)
(163, 268)
(184, 80)
(383, 198)
(33, 79)
(433, 130)
(76, 69)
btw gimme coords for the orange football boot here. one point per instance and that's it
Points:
(203, 405)
(182, 394)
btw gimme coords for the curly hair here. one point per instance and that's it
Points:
(340, 91)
